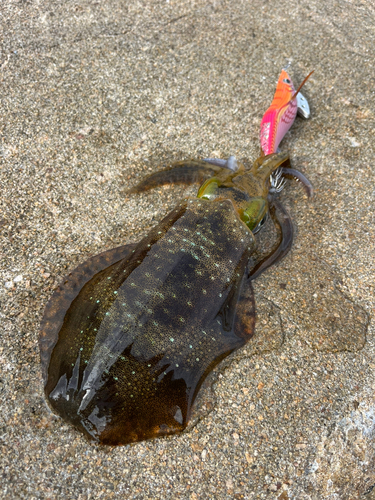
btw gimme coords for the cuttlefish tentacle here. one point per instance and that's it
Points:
(283, 222)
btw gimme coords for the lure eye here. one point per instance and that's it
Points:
(286, 80)
(255, 213)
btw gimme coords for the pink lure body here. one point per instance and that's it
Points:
(280, 116)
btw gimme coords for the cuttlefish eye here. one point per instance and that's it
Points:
(260, 225)
(286, 80)
(208, 190)
(254, 214)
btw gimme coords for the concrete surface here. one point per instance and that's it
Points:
(96, 94)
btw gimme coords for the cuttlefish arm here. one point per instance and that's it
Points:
(283, 222)
(186, 172)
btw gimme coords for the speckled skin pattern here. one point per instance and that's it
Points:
(142, 334)
(129, 336)
(96, 95)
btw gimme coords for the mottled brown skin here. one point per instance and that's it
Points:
(129, 336)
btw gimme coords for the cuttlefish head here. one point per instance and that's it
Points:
(247, 189)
